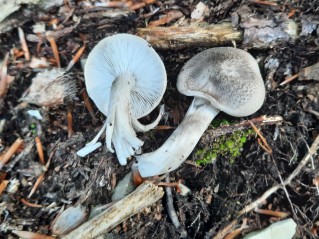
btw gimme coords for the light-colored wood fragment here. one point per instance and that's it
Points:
(178, 37)
(145, 195)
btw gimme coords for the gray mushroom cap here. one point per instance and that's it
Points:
(125, 54)
(228, 78)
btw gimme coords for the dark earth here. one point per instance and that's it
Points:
(220, 189)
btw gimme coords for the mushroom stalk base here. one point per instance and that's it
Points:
(181, 143)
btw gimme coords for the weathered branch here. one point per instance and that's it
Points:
(210, 134)
(145, 195)
(178, 37)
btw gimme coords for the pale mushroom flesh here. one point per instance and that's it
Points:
(223, 78)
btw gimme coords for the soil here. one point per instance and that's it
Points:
(219, 190)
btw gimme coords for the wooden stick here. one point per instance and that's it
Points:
(14, 147)
(178, 37)
(145, 195)
(226, 129)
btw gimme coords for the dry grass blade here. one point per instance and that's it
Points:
(55, 50)
(281, 215)
(36, 185)
(24, 44)
(76, 58)
(39, 179)
(88, 105)
(40, 149)
(70, 120)
(29, 204)
(289, 79)
(267, 3)
(12, 150)
(261, 141)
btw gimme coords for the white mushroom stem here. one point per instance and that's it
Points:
(144, 128)
(121, 122)
(119, 130)
(181, 143)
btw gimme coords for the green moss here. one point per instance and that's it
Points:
(33, 129)
(228, 146)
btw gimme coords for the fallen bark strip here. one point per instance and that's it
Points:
(178, 37)
(312, 151)
(145, 195)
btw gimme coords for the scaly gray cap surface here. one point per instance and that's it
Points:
(227, 77)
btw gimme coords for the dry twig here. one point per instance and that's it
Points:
(178, 37)
(227, 129)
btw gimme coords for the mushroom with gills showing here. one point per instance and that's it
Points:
(220, 79)
(126, 79)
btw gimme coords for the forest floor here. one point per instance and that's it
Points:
(281, 35)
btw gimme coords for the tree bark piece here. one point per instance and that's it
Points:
(145, 195)
(178, 37)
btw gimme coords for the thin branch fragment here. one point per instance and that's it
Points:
(227, 129)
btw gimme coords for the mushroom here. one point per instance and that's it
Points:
(220, 79)
(126, 79)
